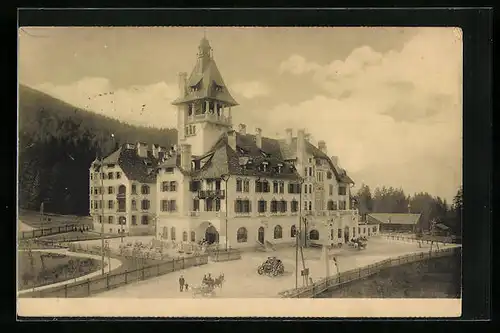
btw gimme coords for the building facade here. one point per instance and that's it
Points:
(226, 185)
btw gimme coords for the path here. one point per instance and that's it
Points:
(242, 280)
(114, 264)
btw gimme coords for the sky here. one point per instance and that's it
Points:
(387, 101)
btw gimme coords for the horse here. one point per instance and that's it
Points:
(219, 281)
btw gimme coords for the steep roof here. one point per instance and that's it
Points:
(134, 166)
(395, 218)
(206, 77)
(225, 160)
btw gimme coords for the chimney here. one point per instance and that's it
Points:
(322, 146)
(258, 137)
(154, 150)
(335, 160)
(289, 133)
(301, 147)
(242, 128)
(231, 139)
(142, 149)
(186, 157)
(182, 84)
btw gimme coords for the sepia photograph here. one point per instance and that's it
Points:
(213, 165)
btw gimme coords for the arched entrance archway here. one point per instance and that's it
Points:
(346, 234)
(314, 234)
(261, 235)
(211, 235)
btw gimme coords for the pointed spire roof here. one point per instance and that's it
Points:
(205, 80)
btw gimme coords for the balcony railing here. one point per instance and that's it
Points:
(208, 116)
(210, 214)
(211, 194)
(121, 195)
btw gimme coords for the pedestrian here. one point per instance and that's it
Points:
(181, 283)
(187, 286)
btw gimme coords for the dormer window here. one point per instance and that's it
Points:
(264, 166)
(280, 167)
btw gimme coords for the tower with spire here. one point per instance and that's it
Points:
(204, 103)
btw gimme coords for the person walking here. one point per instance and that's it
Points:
(181, 283)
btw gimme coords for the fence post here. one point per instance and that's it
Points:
(107, 281)
(66, 291)
(126, 273)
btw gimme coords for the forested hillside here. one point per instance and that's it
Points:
(393, 200)
(57, 143)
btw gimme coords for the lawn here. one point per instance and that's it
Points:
(43, 268)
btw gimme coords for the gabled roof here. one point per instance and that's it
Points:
(395, 218)
(225, 160)
(206, 77)
(133, 166)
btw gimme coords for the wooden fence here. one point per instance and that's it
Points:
(344, 278)
(50, 231)
(110, 281)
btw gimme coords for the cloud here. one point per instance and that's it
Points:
(393, 118)
(250, 89)
(147, 105)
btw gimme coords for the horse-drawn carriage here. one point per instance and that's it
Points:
(272, 267)
(359, 243)
(208, 286)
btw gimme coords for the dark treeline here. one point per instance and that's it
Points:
(391, 200)
(57, 144)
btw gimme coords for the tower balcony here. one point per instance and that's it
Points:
(212, 117)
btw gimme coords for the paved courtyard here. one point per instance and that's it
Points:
(243, 281)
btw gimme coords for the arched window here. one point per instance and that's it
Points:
(122, 189)
(144, 189)
(172, 233)
(293, 231)
(314, 235)
(278, 232)
(145, 204)
(242, 235)
(193, 236)
(330, 205)
(184, 236)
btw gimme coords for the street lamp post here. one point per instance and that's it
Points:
(102, 212)
(298, 234)
(225, 178)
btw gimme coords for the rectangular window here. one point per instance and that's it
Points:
(310, 205)
(275, 187)
(194, 186)
(134, 188)
(134, 220)
(145, 204)
(329, 175)
(242, 206)
(359, 231)
(110, 219)
(110, 204)
(342, 205)
(239, 187)
(134, 205)
(164, 205)
(145, 220)
(100, 219)
(310, 171)
(246, 186)
(305, 205)
(305, 188)
(265, 187)
(342, 190)
(110, 190)
(305, 171)
(173, 186)
(258, 186)
(196, 205)
(110, 175)
(331, 189)
(165, 186)
(118, 175)
(283, 206)
(274, 206)
(294, 206)
(173, 206)
(282, 187)
(262, 206)
(339, 233)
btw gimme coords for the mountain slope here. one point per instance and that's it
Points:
(57, 143)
